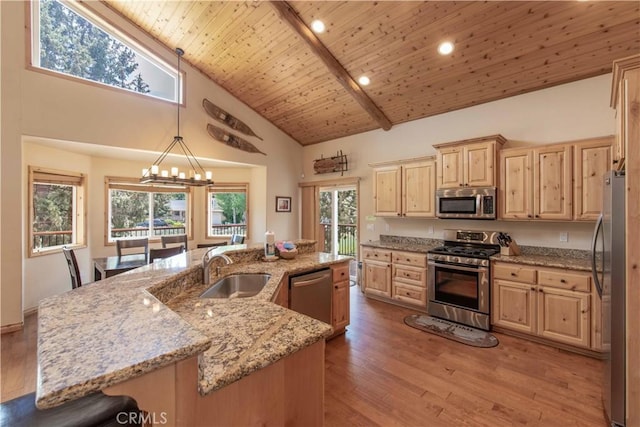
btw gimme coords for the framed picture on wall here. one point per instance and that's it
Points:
(283, 204)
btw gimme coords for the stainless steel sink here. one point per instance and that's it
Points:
(237, 286)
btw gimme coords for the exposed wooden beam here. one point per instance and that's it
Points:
(335, 67)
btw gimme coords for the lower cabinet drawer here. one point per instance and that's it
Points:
(409, 294)
(572, 281)
(413, 275)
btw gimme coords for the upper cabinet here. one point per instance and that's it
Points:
(405, 189)
(554, 182)
(592, 159)
(468, 163)
(625, 97)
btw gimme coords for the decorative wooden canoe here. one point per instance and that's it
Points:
(223, 117)
(231, 140)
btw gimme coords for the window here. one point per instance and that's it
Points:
(228, 210)
(56, 211)
(67, 38)
(143, 210)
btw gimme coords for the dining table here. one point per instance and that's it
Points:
(110, 266)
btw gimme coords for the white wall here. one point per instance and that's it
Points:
(35, 104)
(562, 113)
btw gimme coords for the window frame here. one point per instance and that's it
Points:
(215, 188)
(86, 12)
(79, 217)
(133, 184)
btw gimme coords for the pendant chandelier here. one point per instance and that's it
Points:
(197, 176)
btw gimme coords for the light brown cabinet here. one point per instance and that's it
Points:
(409, 278)
(592, 159)
(340, 298)
(554, 182)
(376, 269)
(406, 189)
(554, 304)
(469, 163)
(396, 276)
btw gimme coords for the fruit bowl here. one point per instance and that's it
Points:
(288, 254)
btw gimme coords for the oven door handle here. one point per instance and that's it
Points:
(458, 267)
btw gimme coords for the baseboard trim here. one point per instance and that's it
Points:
(30, 311)
(11, 328)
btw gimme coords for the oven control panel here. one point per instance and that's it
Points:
(459, 260)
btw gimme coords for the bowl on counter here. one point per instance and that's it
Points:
(288, 254)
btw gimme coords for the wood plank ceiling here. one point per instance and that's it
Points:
(501, 49)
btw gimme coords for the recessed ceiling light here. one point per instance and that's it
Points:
(317, 26)
(445, 48)
(364, 80)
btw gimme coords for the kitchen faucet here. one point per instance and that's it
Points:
(207, 259)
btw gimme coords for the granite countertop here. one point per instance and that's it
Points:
(133, 323)
(572, 259)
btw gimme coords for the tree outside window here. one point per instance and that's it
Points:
(228, 210)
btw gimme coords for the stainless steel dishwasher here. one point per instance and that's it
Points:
(310, 294)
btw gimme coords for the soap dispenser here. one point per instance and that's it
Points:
(270, 244)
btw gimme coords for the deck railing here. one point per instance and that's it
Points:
(347, 238)
(228, 229)
(46, 239)
(117, 233)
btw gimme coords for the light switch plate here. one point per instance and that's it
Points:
(564, 237)
(430, 229)
(371, 227)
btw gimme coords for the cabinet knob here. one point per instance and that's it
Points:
(537, 216)
(528, 216)
(399, 214)
(461, 185)
(563, 281)
(533, 289)
(336, 286)
(513, 274)
(615, 161)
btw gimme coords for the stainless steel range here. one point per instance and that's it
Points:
(459, 277)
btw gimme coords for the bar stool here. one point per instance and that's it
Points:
(74, 271)
(133, 243)
(155, 254)
(94, 410)
(174, 238)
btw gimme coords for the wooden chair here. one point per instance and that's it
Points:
(133, 243)
(237, 239)
(175, 238)
(155, 254)
(211, 245)
(74, 271)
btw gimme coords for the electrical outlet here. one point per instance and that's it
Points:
(371, 227)
(430, 229)
(386, 227)
(564, 237)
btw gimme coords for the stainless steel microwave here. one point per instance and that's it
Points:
(466, 203)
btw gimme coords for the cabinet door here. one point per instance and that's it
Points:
(513, 306)
(516, 197)
(622, 109)
(478, 164)
(418, 189)
(340, 305)
(592, 161)
(386, 191)
(449, 166)
(377, 278)
(552, 182)
(564, 316)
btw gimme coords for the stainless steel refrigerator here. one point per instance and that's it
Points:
(608, 269)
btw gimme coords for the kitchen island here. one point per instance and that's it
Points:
(147, 334)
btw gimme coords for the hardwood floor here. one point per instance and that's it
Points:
(382, 372)
(18, 359)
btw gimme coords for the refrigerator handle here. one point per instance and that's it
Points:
(594, 269)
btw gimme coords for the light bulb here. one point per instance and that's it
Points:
(197, 177)
(154, 169)
(445, 48)
(208, 175)
(174, 171)
(317, 26)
